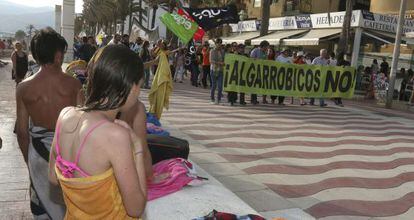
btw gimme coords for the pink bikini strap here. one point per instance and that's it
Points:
(86, 137)
(58, 132)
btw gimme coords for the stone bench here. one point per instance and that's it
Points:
(197, 201)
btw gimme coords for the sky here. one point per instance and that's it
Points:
(51, 3)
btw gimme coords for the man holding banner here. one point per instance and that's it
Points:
(259, 53)
(322, 60)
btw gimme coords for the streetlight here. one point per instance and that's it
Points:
(242, 16)
(396, 54)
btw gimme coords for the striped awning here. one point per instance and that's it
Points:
(275, 37)
(241, 38)
(313, 37)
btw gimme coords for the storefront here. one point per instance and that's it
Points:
(316, 31)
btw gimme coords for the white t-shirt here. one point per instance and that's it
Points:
(112, 42)
(283, 59)
(333, 62)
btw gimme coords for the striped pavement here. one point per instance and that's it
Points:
(333, 163)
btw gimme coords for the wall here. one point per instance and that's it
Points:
(389, 6)
(277, 9)
(321, 6)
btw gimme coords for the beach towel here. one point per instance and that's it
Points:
(42, 193)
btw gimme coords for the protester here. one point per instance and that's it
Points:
(125, 40)
(240, 51)
(323, 61)
(259, 53)
(2, 47)
(374, 66)
(410, 85)
(232, 96)
(162, 83)
(206, 64)
(39, 100)
(179, 66)
(193, 67)
(137, 46)
(384, 66)
(332, 59)
(308, 59)
(87, 49)
(341, 62)
(20, 63)
(99, 181)
(116, 40)
(406, 85)
(282, 58)
(271, 55)
(300, 60)
(145, 57)
(154, 53)
(217, 67)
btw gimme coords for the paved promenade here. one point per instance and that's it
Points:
(292, 161)
(14, 176)
(332, 163)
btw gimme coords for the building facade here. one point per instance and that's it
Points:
(280, 8)
(391, 7)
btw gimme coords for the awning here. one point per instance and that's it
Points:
(241, 38)
(385, 34)
(312, 37)
(275, 37)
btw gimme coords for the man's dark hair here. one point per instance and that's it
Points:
(125, 35)
(85, 40)
(332, 54)
(45, 44)
(264, 43)
(112, 72)
(219, 41)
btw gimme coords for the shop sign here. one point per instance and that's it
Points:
(303, 21)
(337, 19)
(386, 23)
(244, 26)
(282, 23)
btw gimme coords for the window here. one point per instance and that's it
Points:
(257, 3)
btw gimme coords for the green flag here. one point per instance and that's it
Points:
(183, 28)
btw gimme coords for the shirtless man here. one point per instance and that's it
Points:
(40, 98)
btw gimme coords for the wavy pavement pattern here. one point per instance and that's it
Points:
(323, 151)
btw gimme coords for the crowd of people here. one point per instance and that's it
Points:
(374, 80)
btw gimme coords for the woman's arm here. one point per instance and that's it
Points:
(151, 63)
(127, 161)
(140, 129)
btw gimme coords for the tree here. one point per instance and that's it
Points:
(264, 27)
(20, 35)
(344, 38)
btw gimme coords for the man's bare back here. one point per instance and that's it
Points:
(46, 93)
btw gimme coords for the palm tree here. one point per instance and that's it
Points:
(264, 28)
(343, 44)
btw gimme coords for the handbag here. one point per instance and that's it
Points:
(167, 147)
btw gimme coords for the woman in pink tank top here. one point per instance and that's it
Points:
(96, 159)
